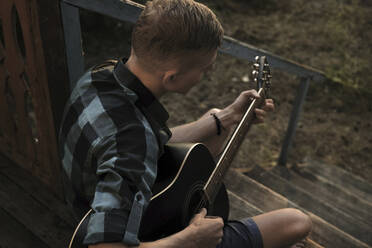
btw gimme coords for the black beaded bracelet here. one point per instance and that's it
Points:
(218, 124)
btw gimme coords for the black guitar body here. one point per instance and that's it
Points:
(178, 192)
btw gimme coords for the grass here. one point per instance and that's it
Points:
(330, 35)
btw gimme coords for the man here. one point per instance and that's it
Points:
(114, 131)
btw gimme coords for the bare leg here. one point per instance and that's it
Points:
(283, 227)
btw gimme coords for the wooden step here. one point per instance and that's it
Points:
(312, 244)
(24, 208)
(341, 178)
(308, 201)
(266, 200)
(341, 199)
(15, 235)
(34, 188)
(239, 209)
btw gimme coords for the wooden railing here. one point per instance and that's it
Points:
(129, 11)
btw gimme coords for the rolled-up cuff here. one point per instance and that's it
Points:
(108, 227)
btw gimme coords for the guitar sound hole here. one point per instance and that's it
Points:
(196, 202)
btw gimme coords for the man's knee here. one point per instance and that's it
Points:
(301, 223)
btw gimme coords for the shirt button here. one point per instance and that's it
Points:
(139, 197)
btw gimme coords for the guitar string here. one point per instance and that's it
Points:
(202, 203)
(204, 199)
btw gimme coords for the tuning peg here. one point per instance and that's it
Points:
(257, 58)
(254, 73)
(256, 66)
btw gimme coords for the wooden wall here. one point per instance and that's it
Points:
(33, 86)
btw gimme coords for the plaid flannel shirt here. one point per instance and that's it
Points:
(111, 137)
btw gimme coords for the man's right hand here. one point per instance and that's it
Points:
(207, 231)
(202, 232)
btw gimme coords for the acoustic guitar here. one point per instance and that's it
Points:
(189, 179)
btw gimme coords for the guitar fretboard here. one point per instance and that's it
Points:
(212, 186)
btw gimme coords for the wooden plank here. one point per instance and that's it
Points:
(239, 208)
(4, 162)
(15, 235)
(44, 224)
(54, 53)
(331, 214)
(340, 198)
(341, 178)
(30, 138)
(330, 236)
(35, 189)
(254, 192)
(265, 199)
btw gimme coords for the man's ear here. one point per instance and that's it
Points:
(170, 80)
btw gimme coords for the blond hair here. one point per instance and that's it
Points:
(167, 29)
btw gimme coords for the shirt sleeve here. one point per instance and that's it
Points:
(126, 171)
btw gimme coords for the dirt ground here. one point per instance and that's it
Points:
(335, 125)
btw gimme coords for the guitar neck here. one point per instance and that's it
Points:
(212, 186)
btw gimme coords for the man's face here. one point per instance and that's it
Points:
(192, 70)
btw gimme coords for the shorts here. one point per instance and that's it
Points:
(241, 234)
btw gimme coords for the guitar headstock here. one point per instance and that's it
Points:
(262, 75)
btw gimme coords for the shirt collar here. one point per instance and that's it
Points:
(145, 97)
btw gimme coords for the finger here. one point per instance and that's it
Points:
(269, 105)
(216, 222)
(203, 212)
(258, 120)
(200, 215)
(260, 112)
(251, 93)
(219, 220)
(211, 217)
(299, 245)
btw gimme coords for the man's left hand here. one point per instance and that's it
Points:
(261, 113)
(240, 105)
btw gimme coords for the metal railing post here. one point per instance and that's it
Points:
(74, 50)
(291, 130)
